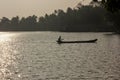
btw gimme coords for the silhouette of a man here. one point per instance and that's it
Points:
(59, 39)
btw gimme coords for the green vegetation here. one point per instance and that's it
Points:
(113, 6)
(110, 5)
(83, 18)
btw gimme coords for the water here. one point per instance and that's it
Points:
(36, 56)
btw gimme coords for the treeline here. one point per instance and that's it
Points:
(29, 23)
(83, 18)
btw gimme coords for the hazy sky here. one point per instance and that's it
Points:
(10, 8)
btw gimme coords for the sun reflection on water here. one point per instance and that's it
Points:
(7, 56)
(6, 36)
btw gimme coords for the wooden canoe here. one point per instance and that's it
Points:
(87, 41)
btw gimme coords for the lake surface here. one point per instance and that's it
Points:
(37, 56)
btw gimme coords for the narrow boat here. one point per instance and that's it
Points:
(88, 41)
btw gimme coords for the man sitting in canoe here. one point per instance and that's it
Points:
(59, 39)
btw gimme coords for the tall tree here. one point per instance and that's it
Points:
(110, 5)
(5, 21)
(15, 21)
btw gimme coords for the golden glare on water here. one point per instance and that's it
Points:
(34, 56)
(5, 36)
(7, 56)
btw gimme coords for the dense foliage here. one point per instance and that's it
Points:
(110, 5)
(113, 6)
(83, 18)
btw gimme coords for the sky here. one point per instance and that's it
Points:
(24, 8)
